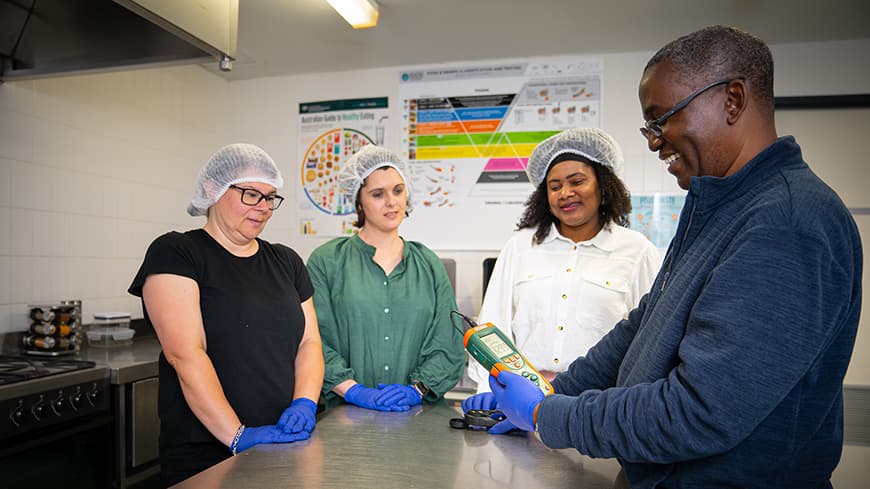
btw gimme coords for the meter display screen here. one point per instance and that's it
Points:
(498, 347)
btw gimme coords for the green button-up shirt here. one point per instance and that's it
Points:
(385, 329)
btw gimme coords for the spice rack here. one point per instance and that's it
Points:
(55, 329)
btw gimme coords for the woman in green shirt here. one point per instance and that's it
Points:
(383, 304)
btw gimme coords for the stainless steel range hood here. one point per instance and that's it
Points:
(40, 38)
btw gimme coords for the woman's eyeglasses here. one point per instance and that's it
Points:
(253, 197)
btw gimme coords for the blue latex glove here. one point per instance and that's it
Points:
(502, 427)
(484, 400)
(299, 416)
(398, 395)
(267, 434)
(517, 397)
(366, 397)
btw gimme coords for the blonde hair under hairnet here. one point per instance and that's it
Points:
(363, 163)
(232, 164)
(589, 142)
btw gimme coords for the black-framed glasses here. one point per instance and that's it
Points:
(253, 197)
(654, 128)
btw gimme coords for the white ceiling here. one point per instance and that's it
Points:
(285, 37)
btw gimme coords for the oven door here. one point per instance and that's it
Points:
(144, 425)
(77, 453)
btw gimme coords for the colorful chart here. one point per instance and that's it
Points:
(458, 127)
(502, 129)
(498, 126)
(320, 168)
(468, 131)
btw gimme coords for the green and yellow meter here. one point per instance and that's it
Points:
(492, 349)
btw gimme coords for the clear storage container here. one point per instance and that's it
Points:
(110, 330)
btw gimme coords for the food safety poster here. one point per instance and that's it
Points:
(656, 216)
(329, 133)
(467, 133)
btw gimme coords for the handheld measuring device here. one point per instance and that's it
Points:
(492, 349)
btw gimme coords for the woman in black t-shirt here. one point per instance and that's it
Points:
(242, 360)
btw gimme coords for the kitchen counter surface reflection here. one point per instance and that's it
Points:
(355, 447)
(129, 363)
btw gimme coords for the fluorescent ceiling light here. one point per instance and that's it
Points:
(360, 14)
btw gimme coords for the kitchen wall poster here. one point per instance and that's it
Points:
(329, 133)
(468, 131)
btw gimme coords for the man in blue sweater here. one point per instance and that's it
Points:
(729, 373)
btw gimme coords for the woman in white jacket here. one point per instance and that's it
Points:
(573, 269)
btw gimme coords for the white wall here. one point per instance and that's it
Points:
(829, 141)
(92, 168)
(265, 111)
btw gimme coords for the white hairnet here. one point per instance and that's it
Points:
(232, 164)
(364, 162)
(591, 143)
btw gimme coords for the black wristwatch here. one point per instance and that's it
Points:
(421, 388)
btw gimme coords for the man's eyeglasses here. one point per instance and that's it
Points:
(253, 197)
(654, 128)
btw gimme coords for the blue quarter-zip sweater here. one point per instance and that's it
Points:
(729, 373)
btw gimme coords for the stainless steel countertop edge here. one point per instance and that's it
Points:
(127, 364)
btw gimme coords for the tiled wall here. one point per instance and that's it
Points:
(92, 168)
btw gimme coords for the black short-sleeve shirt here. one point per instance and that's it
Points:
(253, 319)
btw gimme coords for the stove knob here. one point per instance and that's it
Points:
(75, 399)
(57, 405)
(16, 416)
(38, 410)
(92, 395)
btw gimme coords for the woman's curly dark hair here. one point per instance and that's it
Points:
(615, 204)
